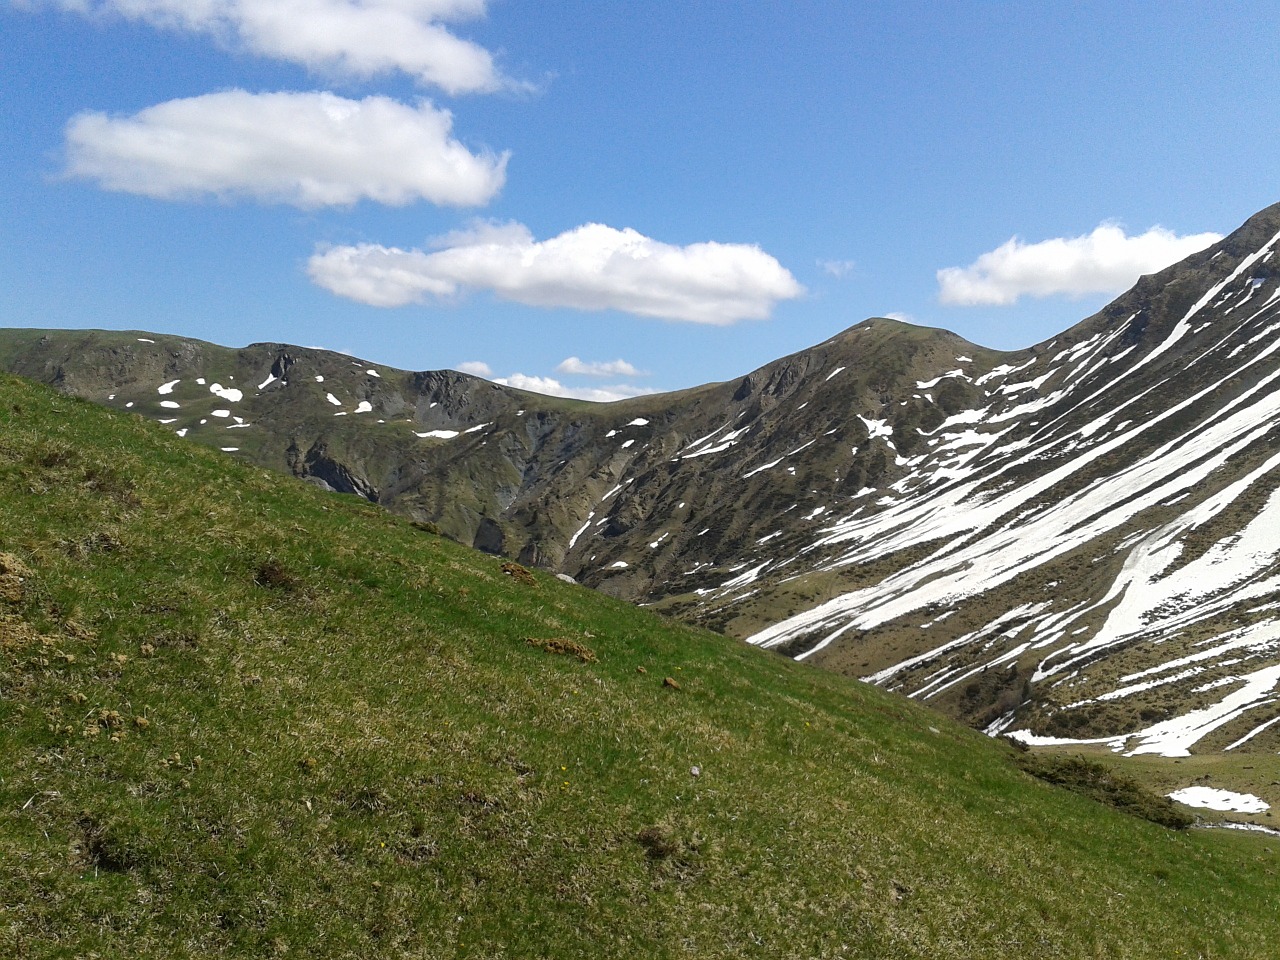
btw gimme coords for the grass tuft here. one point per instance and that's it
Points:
(571, 648)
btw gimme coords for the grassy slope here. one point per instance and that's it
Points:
(244, 718)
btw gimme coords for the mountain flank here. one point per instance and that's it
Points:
(1073, 542)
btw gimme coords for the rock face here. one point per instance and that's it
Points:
(1078, 539)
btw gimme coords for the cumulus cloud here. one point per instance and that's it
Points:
(597, 368)
(477, 368)
(1104, 261)
(305, 149)
(356, 37)
(554, 388)
(899, 316)
(592, 267)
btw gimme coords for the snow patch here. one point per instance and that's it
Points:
(1210, 798)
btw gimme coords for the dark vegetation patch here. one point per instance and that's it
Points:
(274, 575)
(1091, 779)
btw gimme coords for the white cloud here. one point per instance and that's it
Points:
(477, 368)
(592, 267)
(306, 149)
(597, 368)
(554, 388)
(355, 37)
(837, 268)
(899, 316)
(1104, 261)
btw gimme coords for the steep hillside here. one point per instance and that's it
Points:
(247, 718)
(1093, 551)
(1073, 541)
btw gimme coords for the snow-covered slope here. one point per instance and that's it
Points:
(1106, 525)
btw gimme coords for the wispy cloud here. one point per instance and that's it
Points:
(1104, 261)
(837, 268)
(305, 149)
(354, 37)
(597, 368)
(477, 368)
(899, 316)
(592, 267)
(554, 388)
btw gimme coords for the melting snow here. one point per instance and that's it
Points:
(763, 467)
(1210, 798)
(581, 530)
(638, 422)
(743, 579)
(332, 399)
(727, 441)
(230, 394)
(165, 388)
(364, 407)
(271, 378)
(170, 404)
(438, 434)
(876, 428)
(929, 384)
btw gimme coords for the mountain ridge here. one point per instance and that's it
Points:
(833, 502)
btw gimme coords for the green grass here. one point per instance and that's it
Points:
(243, 718)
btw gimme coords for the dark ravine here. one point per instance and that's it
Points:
(1068, 539)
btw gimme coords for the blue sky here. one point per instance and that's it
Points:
(692, 188)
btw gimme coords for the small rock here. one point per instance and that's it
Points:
(670, 682)
(641, 670)
(695, 771)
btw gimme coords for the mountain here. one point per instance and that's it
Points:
(1074, 541)
(246, 718)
